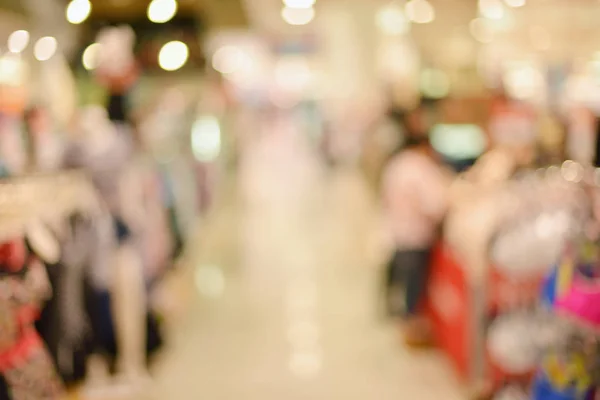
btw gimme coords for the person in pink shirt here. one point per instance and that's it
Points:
(415, 193)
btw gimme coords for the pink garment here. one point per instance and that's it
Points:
(416, 198)
(582, 301)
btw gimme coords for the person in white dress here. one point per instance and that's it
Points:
(415, 193)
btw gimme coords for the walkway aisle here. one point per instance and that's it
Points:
(285, 294)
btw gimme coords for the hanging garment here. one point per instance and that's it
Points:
(24, 362)
(64, 322)
(86, 256)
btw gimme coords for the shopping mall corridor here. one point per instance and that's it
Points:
(283, 292)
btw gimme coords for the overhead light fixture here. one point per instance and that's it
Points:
(298, 16)
(420, 11)
(78, 11)
(12, 70)
(299, 3)
(523, 81)
(206, 139)
(491, 9)
(18, 41)
(90, 56)
(173, 55)
(161, 11)
(45, 48)
(481, 30)
(515, 3)
(229, 59)
(391, 20)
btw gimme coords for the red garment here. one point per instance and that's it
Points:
(12, 255)
(24, 362)
(21, 351)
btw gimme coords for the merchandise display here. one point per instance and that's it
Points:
(85, 234)
(500, 326)
(71, 243)
(27, 359)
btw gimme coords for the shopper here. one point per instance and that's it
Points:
(415, 195)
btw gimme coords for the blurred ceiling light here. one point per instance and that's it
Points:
(90, 56)
(481, 30)
(173, 55)
(12, 70)
(229, 59)
(420, 11)
(78, 11)
(434, 83)
(515, 3)
(391, 20)
(540, 38)
(523, 81)
(45, 48)
(18, 41)
(298, 16)
(492, 9)
(299, 3)
(161, 11)
(206, 139)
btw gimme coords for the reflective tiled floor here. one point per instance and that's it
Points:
(283, 293)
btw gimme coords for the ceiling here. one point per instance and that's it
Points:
(218, 14)
(568, 27)
(13, 5)
(554, 30)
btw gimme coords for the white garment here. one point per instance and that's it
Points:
(416, 196)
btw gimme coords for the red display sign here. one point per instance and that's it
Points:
(449, 308)
(459, 328)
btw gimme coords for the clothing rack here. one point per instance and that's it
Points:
(43, 197)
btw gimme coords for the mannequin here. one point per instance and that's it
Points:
(105, 151)
(117, 71)
(129, 288)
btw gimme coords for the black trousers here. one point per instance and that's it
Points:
(4, 392)
(406, 273)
